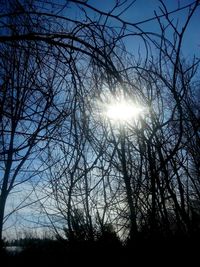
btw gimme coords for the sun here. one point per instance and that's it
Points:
(123, 111)
(119, 109)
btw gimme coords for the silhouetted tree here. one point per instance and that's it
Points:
(136, 176)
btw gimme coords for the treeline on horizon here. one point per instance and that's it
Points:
(106, 248)
(133, 184)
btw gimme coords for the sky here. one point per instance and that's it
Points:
(144, 9)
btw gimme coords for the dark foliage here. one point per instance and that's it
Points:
(107, 250)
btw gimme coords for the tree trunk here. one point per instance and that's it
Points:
(129, 193)
(3, 198)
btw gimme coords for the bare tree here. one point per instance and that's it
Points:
(31, 110)
(141, 175)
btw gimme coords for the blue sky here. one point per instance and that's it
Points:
(144, 9)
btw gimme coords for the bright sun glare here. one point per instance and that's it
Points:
(123, 111)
